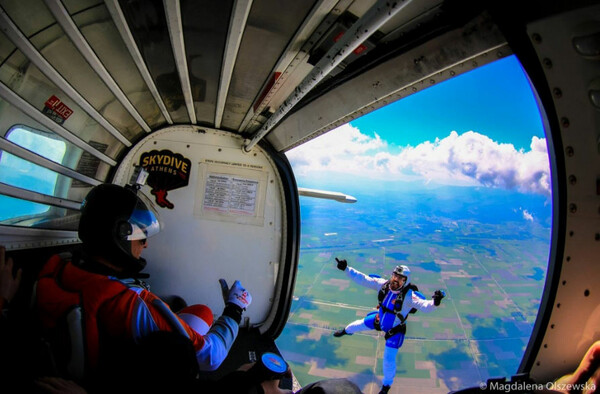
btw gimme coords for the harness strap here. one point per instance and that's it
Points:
(397, 308)
(387, 310)
(376, 323)
(170, 317)
(400, 328)
(402, 318)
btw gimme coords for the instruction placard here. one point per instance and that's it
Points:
(231, 192)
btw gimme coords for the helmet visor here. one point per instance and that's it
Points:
(144, 220)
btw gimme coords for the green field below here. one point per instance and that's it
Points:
(480, 331)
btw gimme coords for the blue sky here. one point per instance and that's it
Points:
(21, 173)
(494, 100)
(481, 128)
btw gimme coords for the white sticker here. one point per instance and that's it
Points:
(230, 194)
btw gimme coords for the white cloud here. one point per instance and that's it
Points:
(527, 215)
(344, 149)
(468, 159)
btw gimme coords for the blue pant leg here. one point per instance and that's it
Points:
(370, 320)
(389, 358)
(395, 341)
(389, 365)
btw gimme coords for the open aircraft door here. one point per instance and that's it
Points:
(226, 213)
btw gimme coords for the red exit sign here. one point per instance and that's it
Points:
(58, 107)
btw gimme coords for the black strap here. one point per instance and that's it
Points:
(398, 304)
(377, 323)
(400, 328)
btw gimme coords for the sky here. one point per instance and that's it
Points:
(481, 128)
(22, 173)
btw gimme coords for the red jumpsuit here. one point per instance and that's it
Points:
(122, 310)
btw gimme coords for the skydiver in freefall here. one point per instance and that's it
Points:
(397, 297)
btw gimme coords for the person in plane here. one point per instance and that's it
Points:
(585, 378)
(9, 282)
(10, 351)
(397, 298)
(105, 278)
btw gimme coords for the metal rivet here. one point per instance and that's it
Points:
(572, 179)
(597, 237)
(586, 293)
(572, 208)
(568, 258)
(538, 363)
(571, 233)
(536, 38)
(564, 282)
(558, 305)
(565, 122)
(570, 151)
(547, 62)
(552, 326)
(545, 346)
(557, 92)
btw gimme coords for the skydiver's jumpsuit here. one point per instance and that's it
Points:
(387, 319)
(123, 309)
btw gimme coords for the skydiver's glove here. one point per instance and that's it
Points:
(437, 297)
(236, 299)
(341, 264)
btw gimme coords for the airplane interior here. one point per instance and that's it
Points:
(208, 96)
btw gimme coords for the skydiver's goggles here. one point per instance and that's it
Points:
(144, 220)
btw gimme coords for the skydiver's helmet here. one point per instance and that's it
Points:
(111, 217)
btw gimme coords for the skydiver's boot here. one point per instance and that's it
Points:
(384, 389)
(340, 333)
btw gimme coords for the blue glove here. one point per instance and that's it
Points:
(437, 297)
(235, 295)
(341, 264)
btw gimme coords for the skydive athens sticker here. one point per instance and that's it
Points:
(166, 171)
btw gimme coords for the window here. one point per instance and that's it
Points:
(23, 174)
